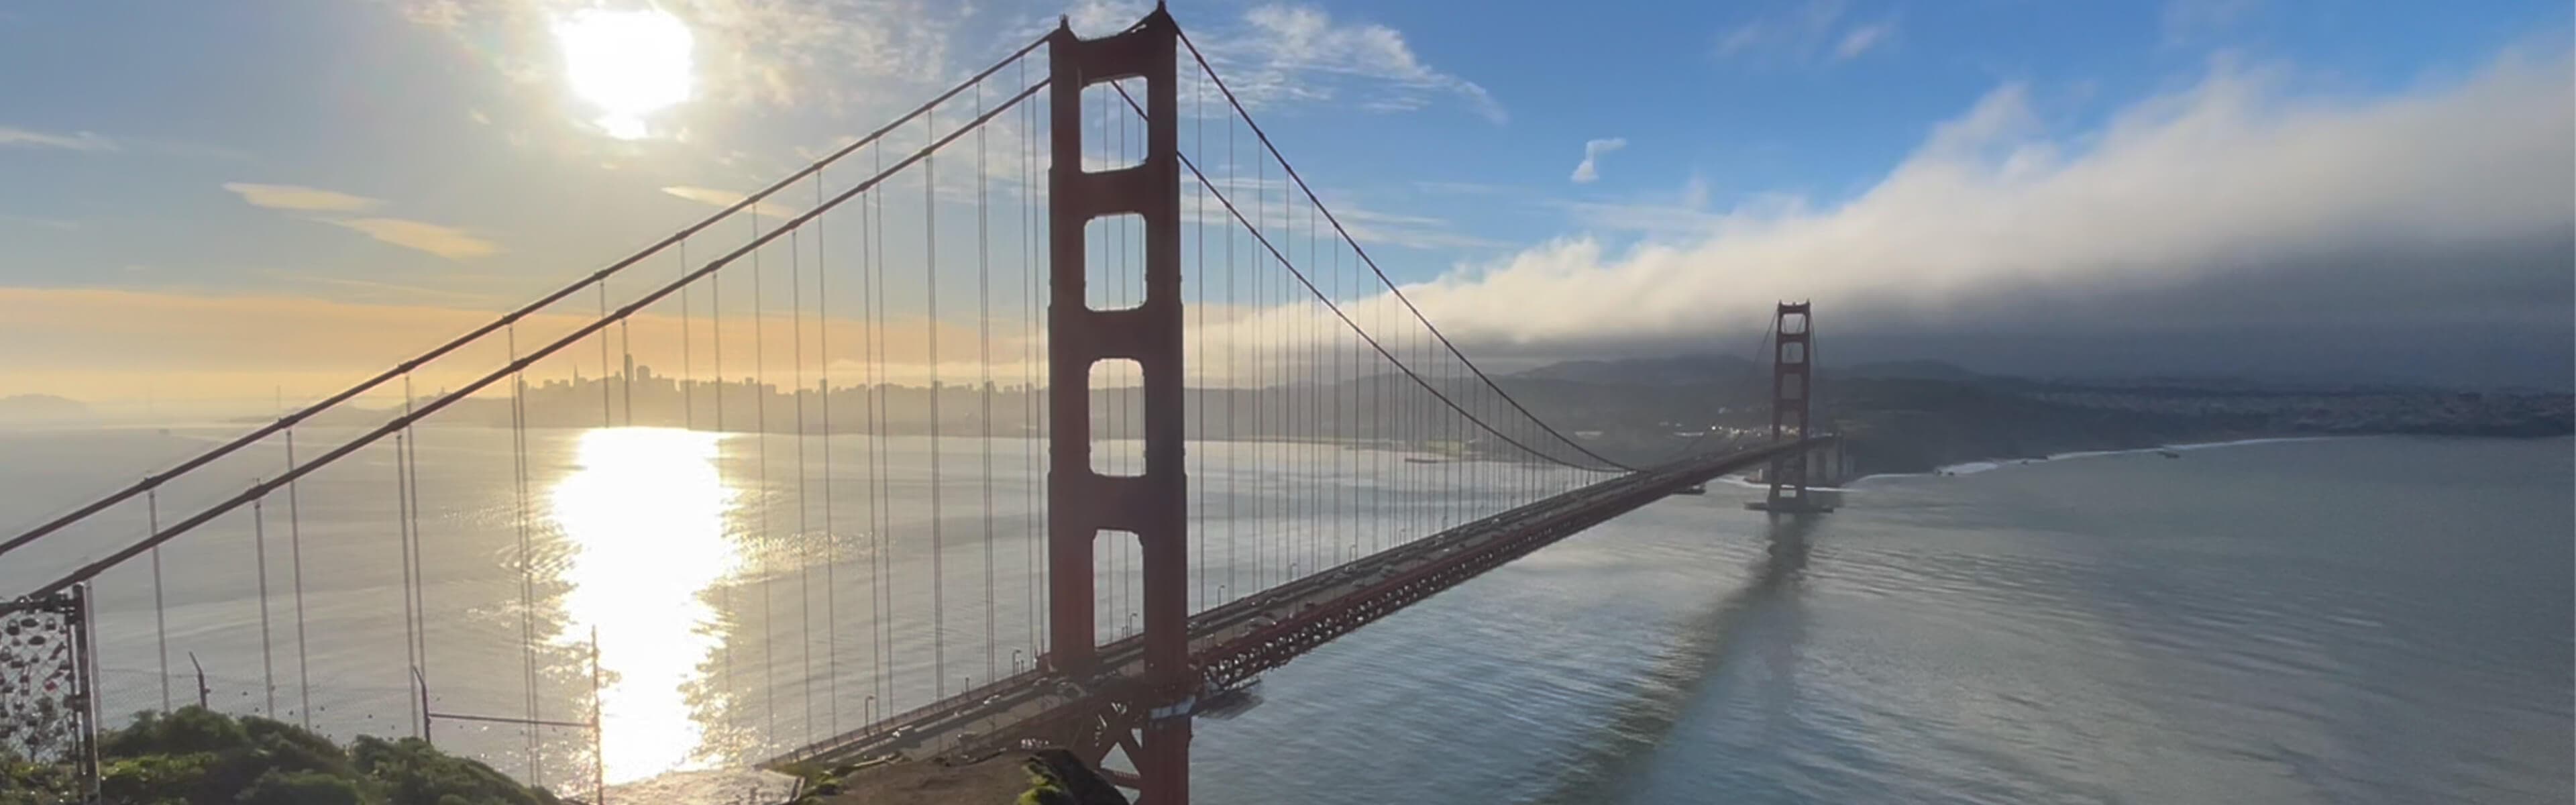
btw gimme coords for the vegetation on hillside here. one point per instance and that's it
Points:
(195, 755)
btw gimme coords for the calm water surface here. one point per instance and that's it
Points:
(2365, 620)
(2360, 620)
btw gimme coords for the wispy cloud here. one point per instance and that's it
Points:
(1096, 18)
(40, 222)
(300, 198)
(184, 148)
(11, 136)
(1864, 39)
(868, 57)
(726, 198)
(836, 54)
(1409, 231)
(1808, 32)
(1589, 170)
(444, 241)
(1368, 225)
(1284, 53)
(395, 290)
(1461, 188)
(1742, 38)
(442, 14)
(2187, 20)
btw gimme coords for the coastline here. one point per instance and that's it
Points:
(1986, 465)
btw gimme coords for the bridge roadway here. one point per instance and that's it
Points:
(1235, 642)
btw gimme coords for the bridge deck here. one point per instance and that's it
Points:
(1239, 640)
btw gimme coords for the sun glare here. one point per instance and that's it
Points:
(644, 516)
(626, 63)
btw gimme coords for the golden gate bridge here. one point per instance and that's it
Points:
(1162, 424)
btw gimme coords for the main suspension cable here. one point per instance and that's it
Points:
(1398, 291)
(1346, 320)
(404, 368)
(411, 415)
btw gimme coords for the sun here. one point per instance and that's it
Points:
(627, 63)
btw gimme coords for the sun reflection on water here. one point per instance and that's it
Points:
(643, 515)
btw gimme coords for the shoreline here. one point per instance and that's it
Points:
(1987, 465)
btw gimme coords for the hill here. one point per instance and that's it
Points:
(1679, 370)
(41, 408)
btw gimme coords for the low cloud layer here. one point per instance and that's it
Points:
(2234, 205)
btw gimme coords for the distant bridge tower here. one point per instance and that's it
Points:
(1792, 353)
(1148, 716)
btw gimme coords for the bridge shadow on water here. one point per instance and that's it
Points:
(1605, 764)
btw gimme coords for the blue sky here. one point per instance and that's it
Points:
(317, 164)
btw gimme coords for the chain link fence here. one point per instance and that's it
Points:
(48, 713)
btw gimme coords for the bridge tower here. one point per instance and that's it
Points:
(1792, 351)
(1149, 717)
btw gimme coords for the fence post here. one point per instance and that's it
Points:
(85, 689)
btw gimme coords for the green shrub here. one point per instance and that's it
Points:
(303, 788)
(417, 774)
(194, 755)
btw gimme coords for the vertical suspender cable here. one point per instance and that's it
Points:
(607, 415)
(831, 539)
(626, 366)
(1337, 427)
(768, 544)
(1198, 355)
(984, 364)
(1313, 370)
(724, 595)
(869, 401)
(1391, 434)
(419, 572)
(1262, 530)
(402, 548)
(882, 496)
(874, 439)
(1041, 406)
(1235, 467)
(526, 560)
(259, 554)
(1290, 175)
(160, 609)
(688, 369)
(930, 289)
(1113, 151)
(295, 555)
(804, 558)
(1029, 548)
